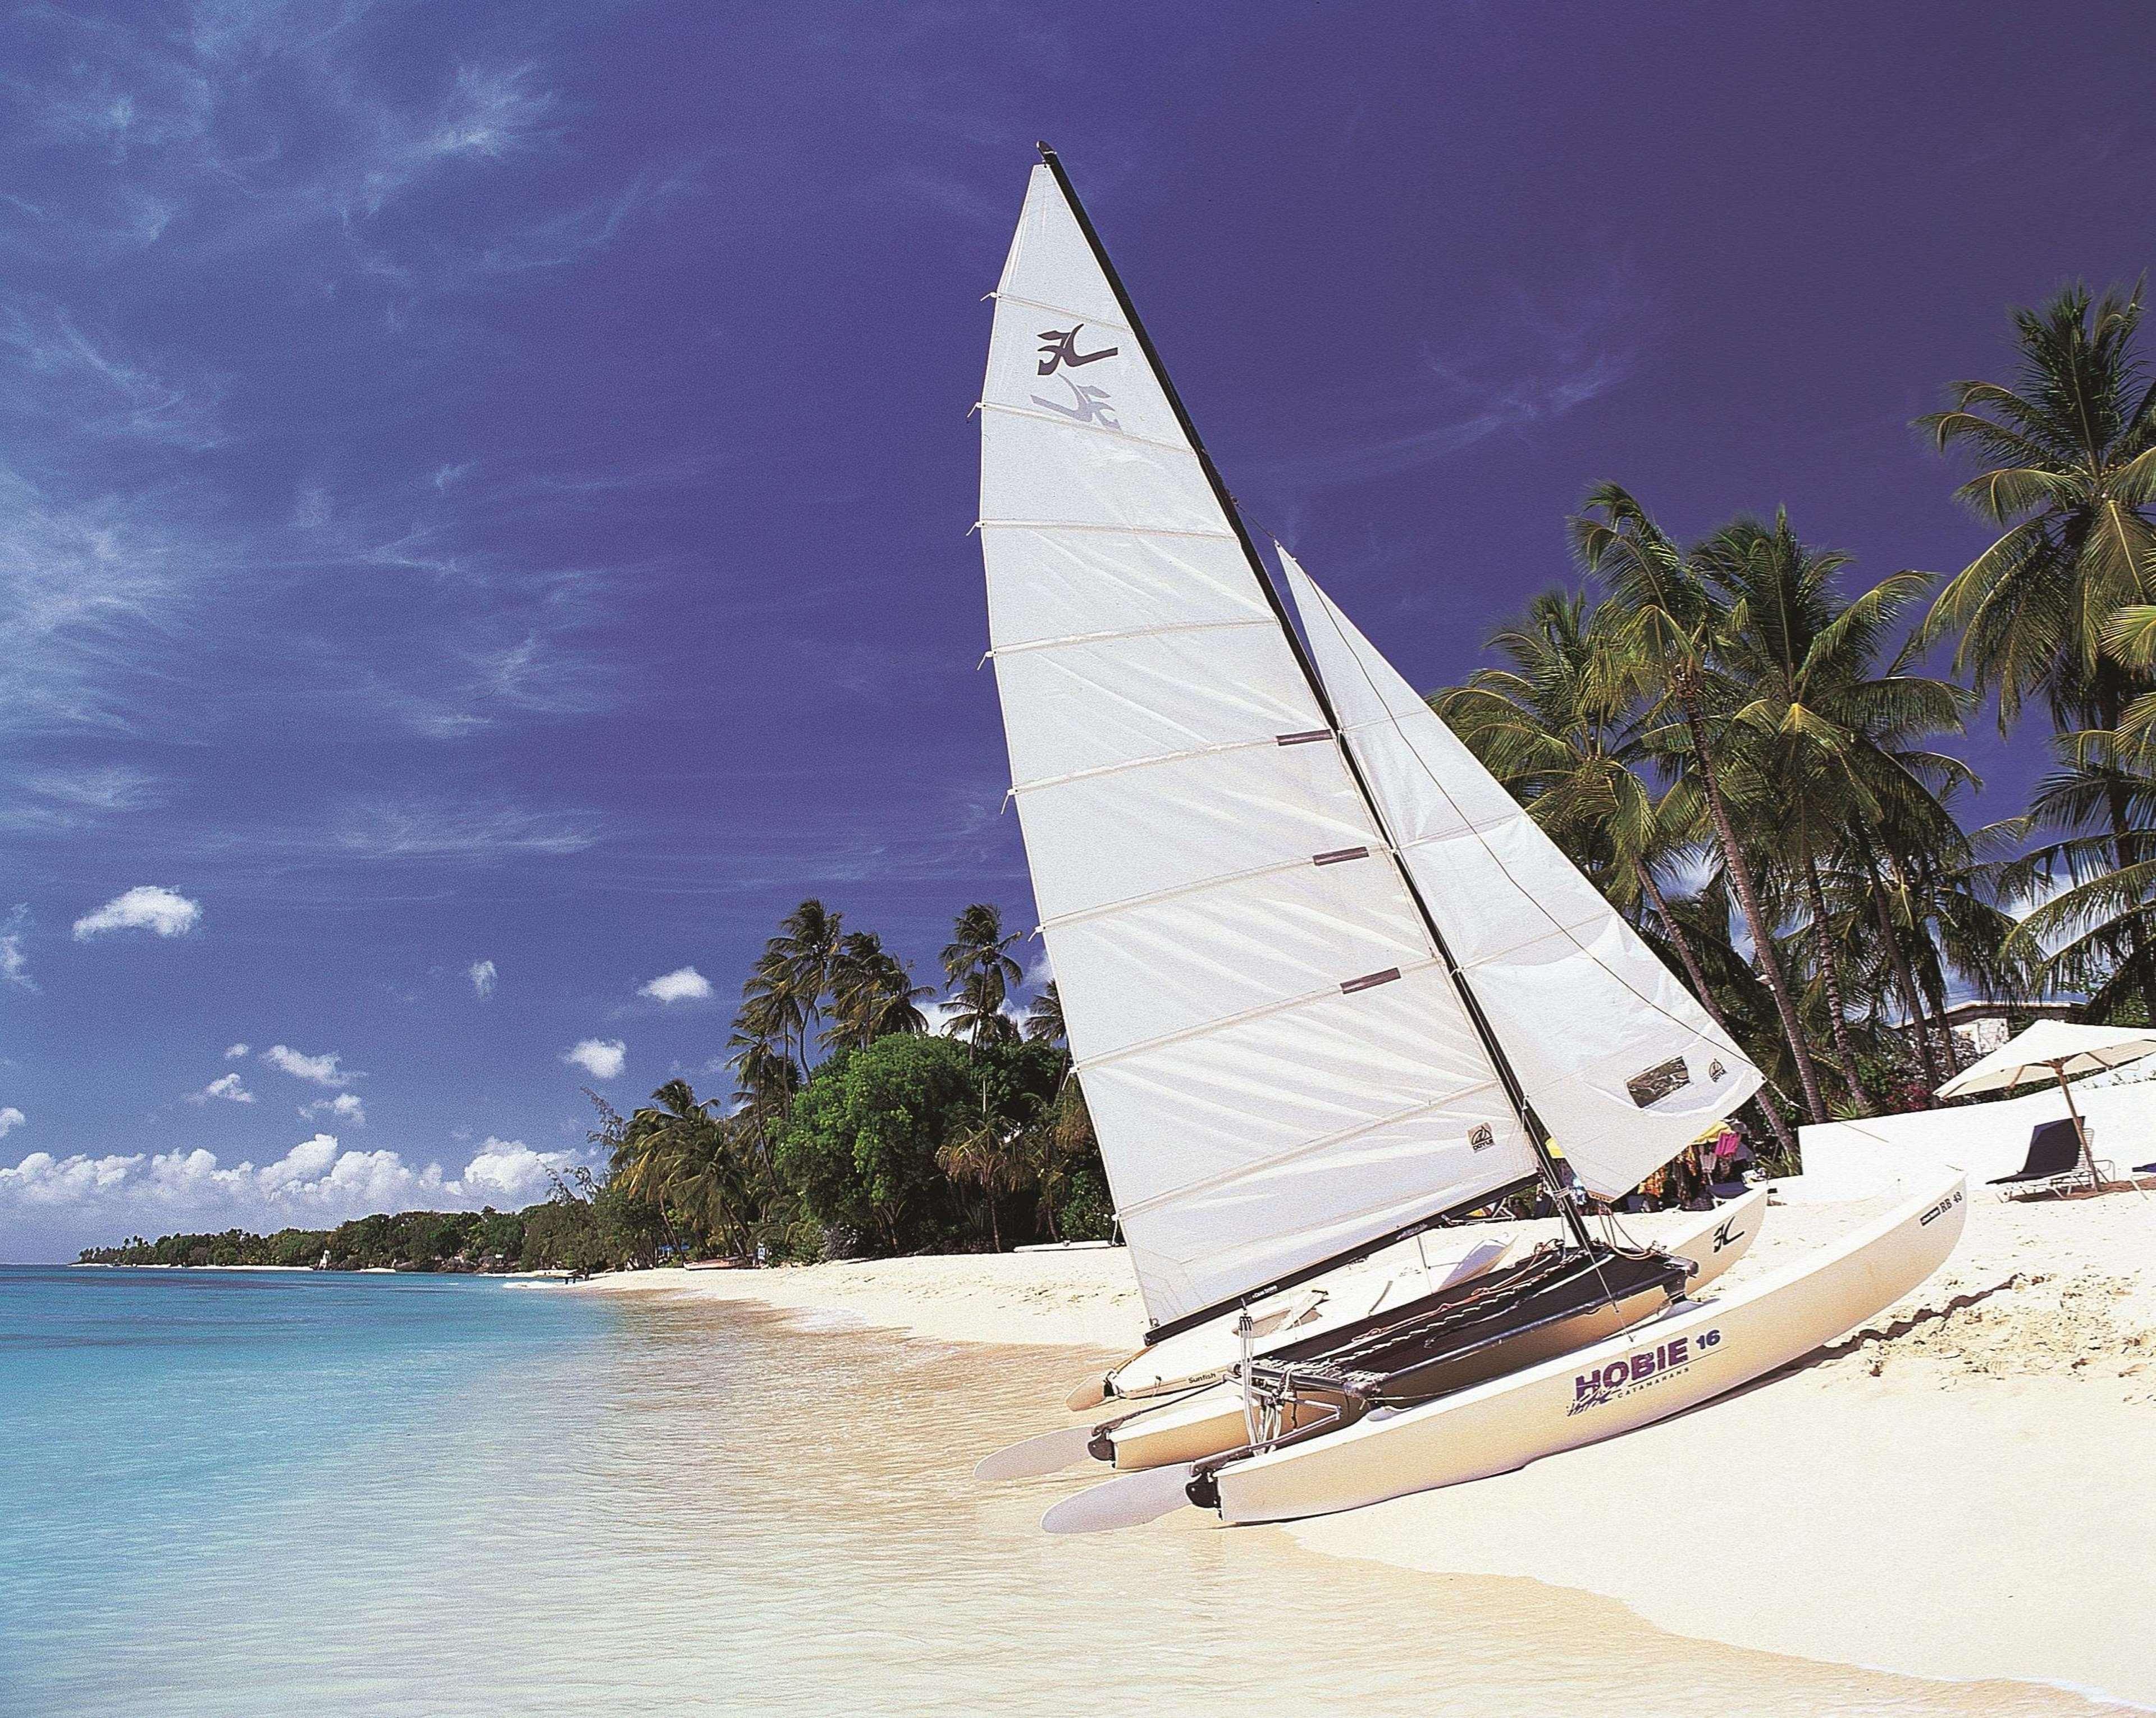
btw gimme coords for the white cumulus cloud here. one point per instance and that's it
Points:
(510, 1173)
(345, 1106)
(322, 1070)
(233, 1053)
(602, 1058)
(685, 984)
(11, 1118)
(482, 976)
(150, 906)
(62, 1203)
(226, 1086)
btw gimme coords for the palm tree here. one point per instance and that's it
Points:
(2085, 937)
(1044, 1015)
(2068, 471)
(1671, 626)
(1823, 730)
(771, 1022)
(677, 1154)
(988, 1154)
(979, 963)
(872, 993)
(801, 957)
(1053, 1143)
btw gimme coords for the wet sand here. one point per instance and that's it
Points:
(1961, 1490)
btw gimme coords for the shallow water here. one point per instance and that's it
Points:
(255, 1494)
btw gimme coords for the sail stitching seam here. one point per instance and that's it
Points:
(1331, 992)
(1034, 304)
(1309, 1147)
(1141, 763)
(1060, 422)
(1134, 530)
(1136, 631)
(1159, 895)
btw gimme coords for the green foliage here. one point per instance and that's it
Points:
(859, 1145)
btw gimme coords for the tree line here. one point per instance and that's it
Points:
(850, 1128)
(1743, 752)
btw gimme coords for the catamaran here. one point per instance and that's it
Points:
(1327, 987)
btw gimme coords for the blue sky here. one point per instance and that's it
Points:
(484, 490)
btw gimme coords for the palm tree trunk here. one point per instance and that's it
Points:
(1830, 971)
(1705, 993)
(1747, 899)
(1920, 1025)
(1682, 944)
(2137, 932)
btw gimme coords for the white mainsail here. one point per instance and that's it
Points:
(1618, 1059)
(1279, 1066)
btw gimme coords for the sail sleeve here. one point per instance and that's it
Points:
(1278, 1068)
(1616, 1057)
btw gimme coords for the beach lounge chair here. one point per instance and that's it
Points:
(2054, 1162)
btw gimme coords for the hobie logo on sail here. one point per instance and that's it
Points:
(1634, 1371)
(1087, 404)
(1060, 346)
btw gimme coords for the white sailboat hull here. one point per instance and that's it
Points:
(1212, 1421)
(1697, 1351)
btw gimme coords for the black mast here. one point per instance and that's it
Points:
(1516, 1094)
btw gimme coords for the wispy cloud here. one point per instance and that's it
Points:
(322, 1070)
(574, 234)
(14, 963)
(11, 1118)
(234, 1052)
(111, 789)
(482, 974)
(85, 382)
(227, 1087)
(1529, 363)
(419, 830)
(345, 1107)
(148, 906)
(85, 587)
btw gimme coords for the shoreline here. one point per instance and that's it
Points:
(1950, 1493)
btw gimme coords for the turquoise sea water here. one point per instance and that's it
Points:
(233, 1493)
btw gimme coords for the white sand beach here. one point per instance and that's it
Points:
(1960, 1490)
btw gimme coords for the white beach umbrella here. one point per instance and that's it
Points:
(2053, 1050)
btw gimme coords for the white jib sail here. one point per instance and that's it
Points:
(1616, 1057)
(1278, 1067)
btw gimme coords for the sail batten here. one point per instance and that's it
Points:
(1279, 1068)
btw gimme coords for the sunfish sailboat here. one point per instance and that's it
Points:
(1326, 985)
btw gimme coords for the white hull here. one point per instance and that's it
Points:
(1212, 1421)
(1693, 1352)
